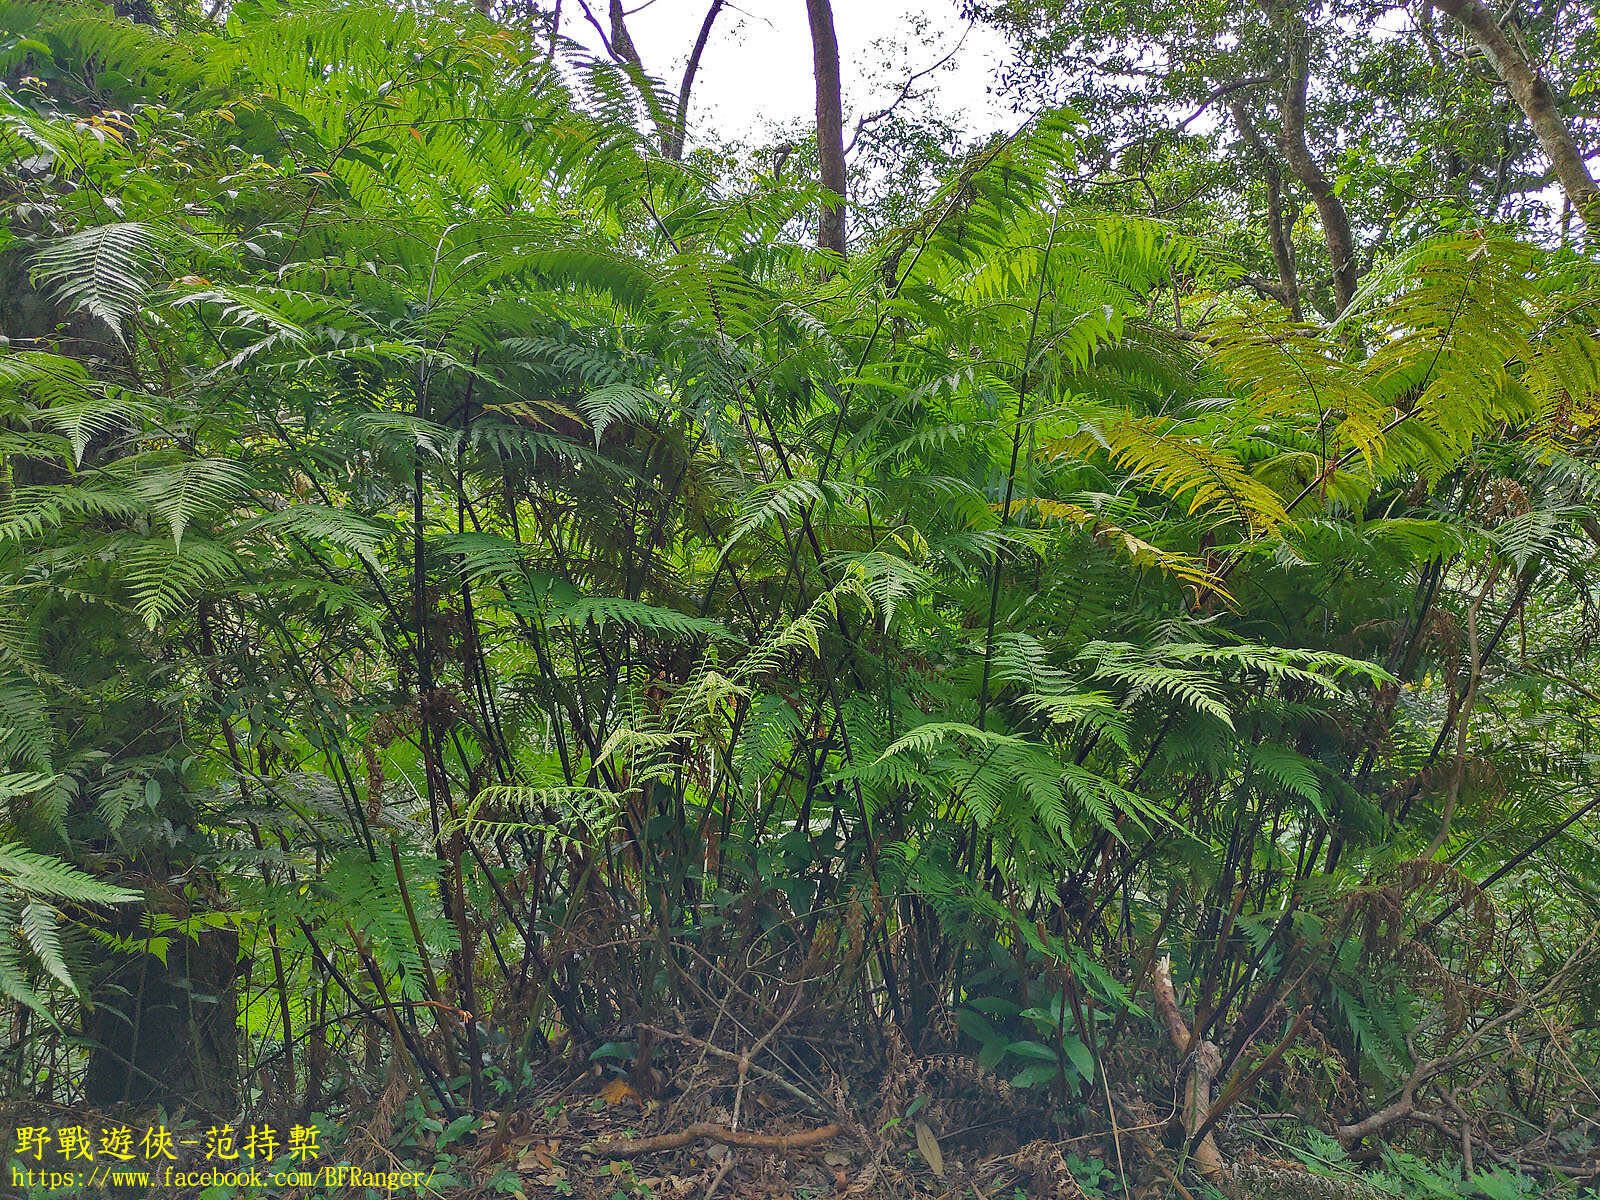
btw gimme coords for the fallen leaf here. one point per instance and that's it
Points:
(928, 1147)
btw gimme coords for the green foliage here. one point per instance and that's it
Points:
(506, 575)
(32, 887)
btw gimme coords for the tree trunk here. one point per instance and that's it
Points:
(1292, 141)
(1277, 230)
(671, 124)
(1200, 1066)
(167, 1033)
(1530, 91)
(674, 137)
(830, 123)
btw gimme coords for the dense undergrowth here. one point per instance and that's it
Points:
(504, 645)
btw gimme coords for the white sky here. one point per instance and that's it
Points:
(755, 74)
(755, 81)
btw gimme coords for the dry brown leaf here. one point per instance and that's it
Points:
(618, 1091)
(928, 1147)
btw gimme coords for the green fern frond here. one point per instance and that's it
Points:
(104, 271)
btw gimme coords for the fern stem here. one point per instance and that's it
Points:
(1011, 472)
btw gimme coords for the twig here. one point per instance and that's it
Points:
(738, 1105)
(722, 1173)
(797, 1092)
(715, 1133)
(1116, 1134)
(1143, 1143)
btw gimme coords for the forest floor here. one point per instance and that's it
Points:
(716, 1136)
(814, 1114)
(597, 1138)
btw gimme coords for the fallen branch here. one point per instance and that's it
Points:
(714, 1133)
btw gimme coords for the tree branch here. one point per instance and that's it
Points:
(672, 139)
(863, 123)
(1288, 292)
(1296, 152)
(1218, 92)
(1538, 103)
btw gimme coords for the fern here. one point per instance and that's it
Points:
(180, 493)
(27, 873)
(104, 271)
(496, 529)
(28, 882)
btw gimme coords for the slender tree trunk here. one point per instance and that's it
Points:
(1277, 230)
(671, 124)
(1202, 1061)
(830, 122)
(673, 138)
(1292, 141)
(622, 45)
(1529, 89)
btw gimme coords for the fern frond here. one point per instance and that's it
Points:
(104, 271)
